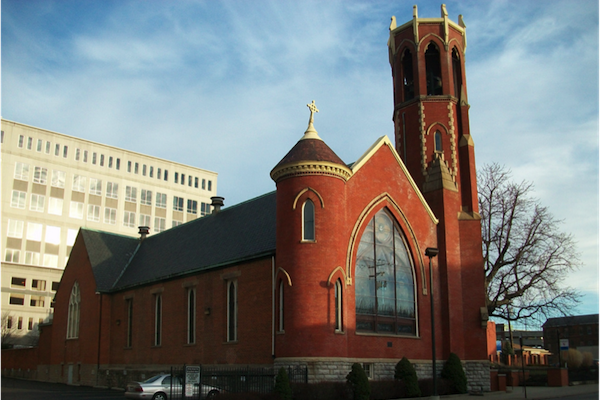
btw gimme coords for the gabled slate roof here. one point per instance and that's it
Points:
(242, 232)
(109, 253)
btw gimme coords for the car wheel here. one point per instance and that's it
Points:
(212, 394)
(159, 396)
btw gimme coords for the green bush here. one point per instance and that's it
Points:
(282, 385)
(406, 373)
(358, 381)
(453, 371)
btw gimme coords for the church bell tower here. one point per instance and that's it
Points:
(431, 120)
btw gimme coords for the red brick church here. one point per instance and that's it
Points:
(327, 270)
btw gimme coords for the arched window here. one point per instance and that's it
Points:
(308, 220)
(385, 294)
(438, 141)
(407, 75)
(191, 337)
(456, 73)
(339, 306)
(231, 311)
(433, 70)
(74, 311)
(281, 319)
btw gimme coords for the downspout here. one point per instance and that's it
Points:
(99, 340)
(273, 307)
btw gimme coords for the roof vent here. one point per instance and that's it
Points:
(217, 203)
(144, 231)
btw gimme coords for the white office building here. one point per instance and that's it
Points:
(53, 184)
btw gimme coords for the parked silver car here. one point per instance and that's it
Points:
(159, 387)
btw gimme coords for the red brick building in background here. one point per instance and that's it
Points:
(328, 270)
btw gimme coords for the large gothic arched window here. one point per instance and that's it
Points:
(456, 73)
(385, 293)
(408, 82)
(73, 313)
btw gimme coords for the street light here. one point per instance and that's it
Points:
(432, 252)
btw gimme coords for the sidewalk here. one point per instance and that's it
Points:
(533, 392)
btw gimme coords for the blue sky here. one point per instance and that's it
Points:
(223, 85)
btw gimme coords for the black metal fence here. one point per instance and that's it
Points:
(227, 379)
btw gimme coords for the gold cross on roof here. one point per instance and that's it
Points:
(313, 108)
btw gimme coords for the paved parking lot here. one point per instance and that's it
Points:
(17, 389)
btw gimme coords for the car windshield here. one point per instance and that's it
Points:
(153, 379)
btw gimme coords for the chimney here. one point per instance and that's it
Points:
(144, 230)
(217, 203)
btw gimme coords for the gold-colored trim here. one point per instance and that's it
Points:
(306, 189)
(338, 268)
(312, 168)
(284, 272)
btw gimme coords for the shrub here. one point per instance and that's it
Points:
(358, 381)
(282, 385)
(574, 359)
(453, 371)
(588, 359)
(406, 373)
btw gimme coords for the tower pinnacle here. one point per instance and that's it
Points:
(310, 132)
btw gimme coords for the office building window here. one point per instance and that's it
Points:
(110, 216)
(76, 210)
(37, 284)
(161, 200)
(21, 171)
(175, 223)
(146, 197)
(52, 234)
(65, 151)
(12, 255)
(15, 228)
(203, 184)
(144, 220)
(144, 169)
(94, 158)
(85, 156)
(159, 224)
(136, 168)
(204, 209)
(32, 258)
(16, 300)
(77, 154)
(57, 149)
(96, 186)
(58, 178)
(177, 203)
(166, 177)
(55, 206)
(196, 182)
(18, 199)
(18, 282)
(93, 213)
(102, 160)
(189, 180)
(29, 143)
(39, 145)
(40, 175)
(37, 202)
(129, 219)
(183, 179)
(158, 171)
(151, 172)
(118, 163)
(71, 236)
(176, 177)
(112, 190)
(48, 145)
(21, 138)
(130, 194)
(34, 231)
(79, 183)
(209, 186)
(129, 166)
(110, 162)
(50, 260)
(192, 206)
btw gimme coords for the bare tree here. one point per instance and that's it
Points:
(8, 330)
(527, 258)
